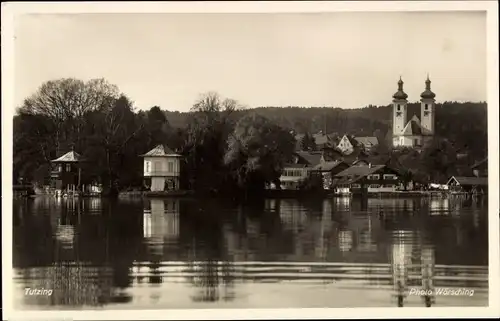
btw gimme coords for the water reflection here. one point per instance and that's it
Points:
(172, 253)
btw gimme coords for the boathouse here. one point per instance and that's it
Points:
(461, 184)
(66, 173)
(162, 169)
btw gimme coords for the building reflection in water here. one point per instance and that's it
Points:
(345, 240)
(439, 206)
(161, 224)
(325, 231)
(343, 203)
(411, 260)
(401, 261)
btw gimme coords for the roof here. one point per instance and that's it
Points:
(69, 157)
(351, 140)
(367, 140)
(483, 162)
(321, 139)
(288, 165)
(469, 181)
(360, 170)
(355, 173)
(427, 93)
(328, 166)
(400, 94)
(414, 128)
(161, 151)
(312, 158)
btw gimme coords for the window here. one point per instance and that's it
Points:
(355, 185)
(374, 186)
(171, 167)
(426, 113)
(59, 168)
(68, 167)
(390, 176)
(374, 176)
(426, 107)
(415, 142)
(399, 107)
(147, 166)
(156, 166)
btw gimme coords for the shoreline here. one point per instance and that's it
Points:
(272, 194)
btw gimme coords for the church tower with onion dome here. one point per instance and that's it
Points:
(427, 108)
(399, 111)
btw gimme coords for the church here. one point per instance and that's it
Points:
(414, 132)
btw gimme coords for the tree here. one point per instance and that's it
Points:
(119, 128)
(257, 151)
(439, 159)
(65, 102)
(33, 145)
(308, 143)
(210, 124)
(158, 127)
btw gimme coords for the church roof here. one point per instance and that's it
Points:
(69, 157)
(414, 128)
(161, 150)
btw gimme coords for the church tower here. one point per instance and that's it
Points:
(427, 107)
(399, 104)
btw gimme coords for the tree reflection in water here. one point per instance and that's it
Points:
(208, 267)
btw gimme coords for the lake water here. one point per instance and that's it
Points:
(173, 253)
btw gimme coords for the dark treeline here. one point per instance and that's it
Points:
(225, 146)
(223, 150)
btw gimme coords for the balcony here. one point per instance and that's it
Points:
(161, 174)
(55, 174)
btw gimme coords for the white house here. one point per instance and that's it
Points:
(162, 169)
(415, 132)
(346, 145)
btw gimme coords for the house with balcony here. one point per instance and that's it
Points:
(367, 179)
(162, 169)
(299, 169)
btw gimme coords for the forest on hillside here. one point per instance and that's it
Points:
(226, 147)
(464, 124)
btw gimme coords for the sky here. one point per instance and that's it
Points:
(343, 59)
